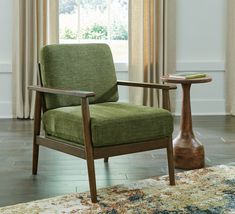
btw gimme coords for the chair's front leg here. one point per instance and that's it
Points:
(171, 166)
(89, 148)
(37, 127)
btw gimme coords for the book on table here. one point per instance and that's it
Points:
(187, 75)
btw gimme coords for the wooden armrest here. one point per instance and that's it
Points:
(82, 94)
(147, 85)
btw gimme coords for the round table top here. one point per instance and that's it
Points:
(186, 81)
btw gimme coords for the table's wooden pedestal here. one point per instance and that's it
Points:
(188, 151)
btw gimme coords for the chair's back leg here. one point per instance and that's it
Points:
(170, 158)
(37, 127)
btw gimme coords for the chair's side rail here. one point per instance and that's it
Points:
(81, 94)
(84, 105)
(164, 87)
(146, 85)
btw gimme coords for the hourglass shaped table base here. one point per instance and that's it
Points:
(188, 151)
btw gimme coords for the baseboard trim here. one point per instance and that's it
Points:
(5, 68)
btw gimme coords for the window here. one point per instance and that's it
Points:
(99, 21)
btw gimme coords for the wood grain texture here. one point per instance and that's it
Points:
(171, 165)
(101, 152)
(62, 91)
(37, 128)
(188, 150)
(89, 148)
(166, 100)
(146, 85)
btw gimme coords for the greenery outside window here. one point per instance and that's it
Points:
(99, 21)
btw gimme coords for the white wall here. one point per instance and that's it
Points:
(122, 74)
(201, 38)
(5, 59)
(200, 47)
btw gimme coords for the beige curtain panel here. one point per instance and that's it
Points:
(230, 62)
(35, 23)
(152, 46)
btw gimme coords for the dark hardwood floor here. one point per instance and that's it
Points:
(61, 174)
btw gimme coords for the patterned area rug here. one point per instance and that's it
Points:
(210, 190)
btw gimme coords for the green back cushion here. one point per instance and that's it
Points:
(87, 67)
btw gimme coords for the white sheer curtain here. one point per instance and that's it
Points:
(152, 45)
(35, 23)
(230, 58)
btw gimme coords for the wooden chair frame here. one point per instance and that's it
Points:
(87, 151)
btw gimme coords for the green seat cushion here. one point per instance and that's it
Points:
(112, 123)
(85, 67)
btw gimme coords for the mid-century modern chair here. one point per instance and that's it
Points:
(81, 116)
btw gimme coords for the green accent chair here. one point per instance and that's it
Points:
(77, 104)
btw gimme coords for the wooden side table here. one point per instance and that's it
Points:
(188, 151)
